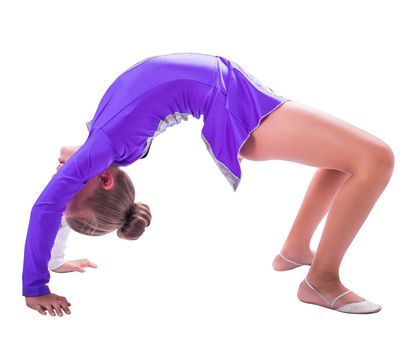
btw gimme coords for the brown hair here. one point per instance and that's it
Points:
(114, 209)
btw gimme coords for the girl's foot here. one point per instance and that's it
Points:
(334, 295)
(289, 259)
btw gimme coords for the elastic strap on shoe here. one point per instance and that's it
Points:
(340, 296)
(290, 261)
(321, 296)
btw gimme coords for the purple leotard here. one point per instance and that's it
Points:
(157, 92)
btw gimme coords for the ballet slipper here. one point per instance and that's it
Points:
(357, 307)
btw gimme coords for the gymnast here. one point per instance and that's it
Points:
(242, 119)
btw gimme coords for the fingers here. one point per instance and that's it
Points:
(40, 309)
(64, 303)
(55, 308)
(77, 265)
(50, 309)
(59, 297)
(92, 265)
(87, 263)
(65, 308)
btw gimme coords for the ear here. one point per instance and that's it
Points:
(107, 180)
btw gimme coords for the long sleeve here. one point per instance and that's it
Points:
(91, 159)
(57, 252)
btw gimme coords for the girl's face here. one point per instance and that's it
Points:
(74, 207)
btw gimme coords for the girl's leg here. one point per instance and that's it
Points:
(316, 203)
(298, 133)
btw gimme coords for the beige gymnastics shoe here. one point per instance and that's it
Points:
(358, 307)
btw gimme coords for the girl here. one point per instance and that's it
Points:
(241, 118)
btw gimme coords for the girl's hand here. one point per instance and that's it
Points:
(75, 265)
(51, 302)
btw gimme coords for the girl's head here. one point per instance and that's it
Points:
(106, 203)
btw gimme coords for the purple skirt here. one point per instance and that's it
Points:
(160, 91)
(238, 109)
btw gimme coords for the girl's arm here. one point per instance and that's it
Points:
(91, 159)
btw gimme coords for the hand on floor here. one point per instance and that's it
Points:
(75, 265)
(53, 303)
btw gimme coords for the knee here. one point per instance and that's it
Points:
(377, 162)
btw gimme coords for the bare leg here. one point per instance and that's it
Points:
(298, 133)
(315, 205)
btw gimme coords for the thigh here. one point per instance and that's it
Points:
(299, 133)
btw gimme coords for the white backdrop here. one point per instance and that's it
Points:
(201, 277)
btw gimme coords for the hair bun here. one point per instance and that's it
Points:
(137, 219)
